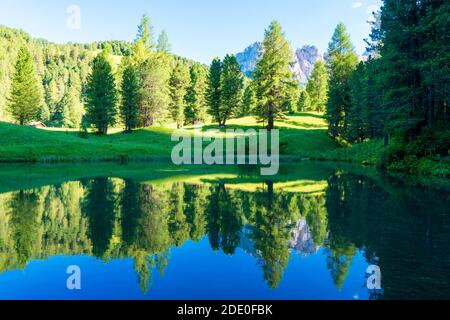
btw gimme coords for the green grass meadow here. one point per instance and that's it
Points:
(301, 135)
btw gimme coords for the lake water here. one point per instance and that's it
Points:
(148, 231)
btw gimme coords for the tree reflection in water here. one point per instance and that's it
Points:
(108, 218)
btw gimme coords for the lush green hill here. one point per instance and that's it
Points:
(62, 70)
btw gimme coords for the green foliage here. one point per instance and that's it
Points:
(99, 208)
(129, 108)
(101, 95)
(317, 87)
(163, 42)
(402, 90)
(341, 61)
(83, 132)
(304, 101)
(25, 97)
(231, 87)
(415, 63)
(273, 75)
(57, 67)
(154, 92)
(291, 96)
(196, 105)
(145, 33)
(178, 83)
(213, 93)
(428, 154)
(249, 101)
(69, 109)
(63, 70)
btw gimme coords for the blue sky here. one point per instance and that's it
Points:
(197, 29)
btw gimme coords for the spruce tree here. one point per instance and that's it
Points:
(25, 96)
(154, 91)
(291, 96)
(341, 61)
(129, 108)
(145, 33)
(213, 92)
(304, 102)
(101, 95)
(196, 104)
(273, 75)
(231, 87)
(178, 83)
(415, 65)
(248, 101)
(317, 87)
(358, 94)
(163, 42)
(70, 108)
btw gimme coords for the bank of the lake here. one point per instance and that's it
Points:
(302, 136)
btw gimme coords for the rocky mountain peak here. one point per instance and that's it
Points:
(304, 59)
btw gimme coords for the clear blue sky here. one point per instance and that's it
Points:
(197, 29)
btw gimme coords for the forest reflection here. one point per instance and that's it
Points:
(112, 218)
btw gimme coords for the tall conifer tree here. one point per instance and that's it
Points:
(213, 92)
(341, 61)
(25, 98)
(101, 95)
(129, 108)
(178, 83)
(232, 84)
(273, 75)
(317, 87)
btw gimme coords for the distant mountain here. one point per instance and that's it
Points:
(249, 57)
(305, 59)
(302, 66)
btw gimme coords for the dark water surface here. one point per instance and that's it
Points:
(155, 232)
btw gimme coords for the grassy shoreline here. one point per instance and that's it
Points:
(302, 136)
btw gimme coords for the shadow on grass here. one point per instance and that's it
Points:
(308, 114)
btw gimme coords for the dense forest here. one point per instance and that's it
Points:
(61, 73)
(399, 95)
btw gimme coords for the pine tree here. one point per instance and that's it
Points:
(163, 42)
(317, 87)
(373, 115)
(415, 64)
(248, 101)
(178, 83)
(304, 102)
(145, 33)
(358, 85)
(291, 96)
(44, 113)
(196, 96)
(341, 61)
(273, 75)
(25, 97)
(70, 108)
(213, 92)
(154, 92)
(232, 84)
(101, 95)
(139, 53)
(129, 108)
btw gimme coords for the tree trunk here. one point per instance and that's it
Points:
(270, 120)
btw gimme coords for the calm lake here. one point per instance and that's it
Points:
(149, 231)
